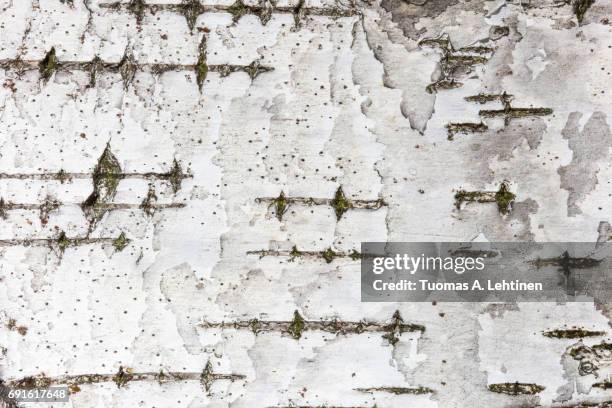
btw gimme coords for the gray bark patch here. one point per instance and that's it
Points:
(588, 146)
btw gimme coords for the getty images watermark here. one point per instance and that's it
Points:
(485, 272)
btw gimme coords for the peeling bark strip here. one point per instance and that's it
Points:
(328, 255)
(454, 62)
(503, 197)
(398, 390)
(62, 242)
(339, 203)
(516, 388)
(454, 128)
(121, 378)
(298, 325)
(572, 333)
(126, 68)
(192, 9)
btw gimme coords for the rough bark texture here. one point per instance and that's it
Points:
(144, 148)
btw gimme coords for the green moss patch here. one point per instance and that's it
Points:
(48, 65)
(297, 326)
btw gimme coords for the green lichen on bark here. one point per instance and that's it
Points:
(463, 60)
(107, 173)
(516, 388)
(603, 347)
(137, 7)
(572, 333)
(299, 12)
(48, 65)
(95, 67)
(122, 377)
(329, 255)
(49, 205)
(62, 176)
(148, 204)
(40, 381)
(3, 208)
(191, 9)
(394, 329)
(106, 177)
(477, 49)
(580, 8)
(442, 42)
(237, 10)
(127, 69)
(297, 326)
(121, 242)
(462, 196)
(207, 377)
(201, 65)
(443, 84)
(355, 255)
(62, 242)
(340, 204)
(484, 98)
(255, 68)
(294, 252)
(176, 176)
(398, 390)
(604, 385)
(255, 325)
(161, 376)
(280, 206)
(504, 198)
(265, 13)
(512, 113)
(454, 128)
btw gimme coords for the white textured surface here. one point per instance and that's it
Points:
(345, 105)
